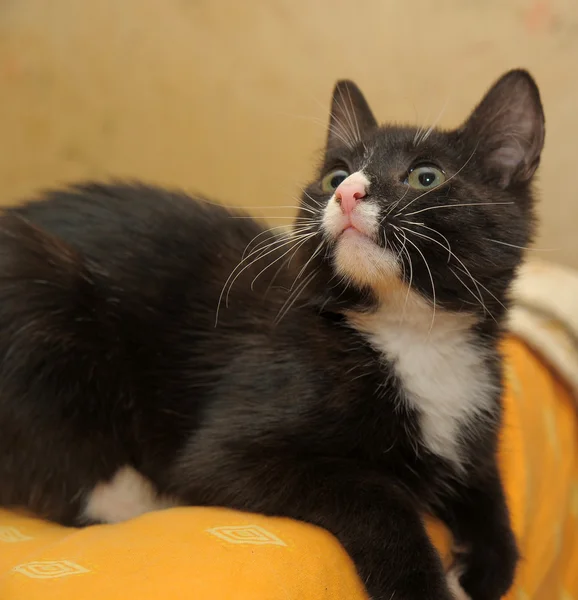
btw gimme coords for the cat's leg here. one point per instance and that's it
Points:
(128, 494)
(373, 519)
(478, 516)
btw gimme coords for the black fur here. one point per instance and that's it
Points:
(110, 354)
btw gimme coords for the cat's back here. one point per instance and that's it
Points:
(132, 228)
(108, 296)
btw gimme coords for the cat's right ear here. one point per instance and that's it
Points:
(351, 118)
(507, 129)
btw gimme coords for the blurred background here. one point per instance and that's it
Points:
(230, 98)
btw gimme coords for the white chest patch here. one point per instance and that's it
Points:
(439, 367)
(127, 495)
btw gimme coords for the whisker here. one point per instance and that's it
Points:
(399, 241)
(238, 207)
(234, 274)
(262, 246)
(285, 263)
(313, 255)
(346, 130)
(491, 294)
(449, 248)
(338, 130)
(354, 115)
(294, 297)
(311, 198)
(473, 294)
(395, 204)
(410, 264)
(265, 252)
(433, 289)
(347, 116)
(268, 243)
(356, 122)
(277, 207)
(426, 135)
(418, 132)
(398, 257)
(343, 128)
(522, 247)
(308, 209)
(336, 121)
(464, 270)
(290, 233)
(265, 231)
(421, 127)
(301, 242)
(417, 212)
(286, 217)
(322, 122)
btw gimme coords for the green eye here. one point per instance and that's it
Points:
(425, 177)
(330, 182)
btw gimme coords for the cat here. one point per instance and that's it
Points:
(160, 350)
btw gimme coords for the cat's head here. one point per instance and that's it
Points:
(447, 213)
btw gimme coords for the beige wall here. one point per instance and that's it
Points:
(230, 97)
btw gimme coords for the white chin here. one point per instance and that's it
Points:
(364, 262)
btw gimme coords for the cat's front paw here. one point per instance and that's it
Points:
(489, 571)
(454, 585)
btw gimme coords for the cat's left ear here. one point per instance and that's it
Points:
(351, 118)
(507, 129)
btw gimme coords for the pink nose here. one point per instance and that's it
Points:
(348, 195)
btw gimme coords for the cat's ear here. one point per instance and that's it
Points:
(351, 118)
(507, 129)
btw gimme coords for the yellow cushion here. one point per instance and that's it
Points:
(219, 554)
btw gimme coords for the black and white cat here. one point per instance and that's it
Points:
(347, 375)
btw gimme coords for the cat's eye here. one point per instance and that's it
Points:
(330, 182)
(425, 177)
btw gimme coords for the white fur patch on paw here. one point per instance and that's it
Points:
(127, 495)
(453, 580)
